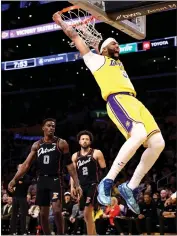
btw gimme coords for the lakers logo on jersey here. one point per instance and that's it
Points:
(112, 78)
(113, 63)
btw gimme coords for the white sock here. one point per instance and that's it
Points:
(125, 154)
(149, 157)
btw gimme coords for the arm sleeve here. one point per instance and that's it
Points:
(93, 61)
(67, 159)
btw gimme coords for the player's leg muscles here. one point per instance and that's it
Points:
(155, 145)
(44, 217)
(125, 113)
(138, 135)
(88, 217)
(57, 209)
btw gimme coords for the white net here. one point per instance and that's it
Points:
(84, 24)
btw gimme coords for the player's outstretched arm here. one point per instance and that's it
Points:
(24, 167)
(72, 34)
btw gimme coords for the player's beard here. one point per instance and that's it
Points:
(111, 53)
(85, 147)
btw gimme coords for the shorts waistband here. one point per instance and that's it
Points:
(126, 93)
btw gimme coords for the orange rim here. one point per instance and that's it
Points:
(64, 10)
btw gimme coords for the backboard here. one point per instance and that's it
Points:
(127, 16)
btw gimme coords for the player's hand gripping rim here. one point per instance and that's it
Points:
(57, 18)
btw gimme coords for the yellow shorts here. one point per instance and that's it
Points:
(123, 110)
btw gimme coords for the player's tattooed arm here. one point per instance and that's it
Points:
(72, 34)
(25, 166)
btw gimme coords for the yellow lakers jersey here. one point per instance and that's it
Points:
(112, 78)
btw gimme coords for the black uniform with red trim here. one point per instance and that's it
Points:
(87, 170)
(50, 166)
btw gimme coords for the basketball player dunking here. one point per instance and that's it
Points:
(51, 153)
(130, 116)
(88, 163)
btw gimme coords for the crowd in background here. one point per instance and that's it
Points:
(68, 93)
(155, 189)
(155, 214)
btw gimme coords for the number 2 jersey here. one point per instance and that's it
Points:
(49, 158)
(87, 168)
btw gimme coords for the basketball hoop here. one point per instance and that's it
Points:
(84, 23)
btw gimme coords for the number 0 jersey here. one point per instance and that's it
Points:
(87, 168)
(49, 158)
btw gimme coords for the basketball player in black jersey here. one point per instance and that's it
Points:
(51, 153)
(88, 163)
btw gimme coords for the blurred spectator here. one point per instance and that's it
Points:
(4, 199)
(5, 216)
(156, 197)
(163, 198)
(147, 219)
(108, 216)
(31, 195)
(32, 219)
(19, 205)
(168, 219)
(51, 220)
(77, 220)
(97, 212)
(67, 210)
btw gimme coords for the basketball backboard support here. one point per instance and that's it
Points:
(131, 19)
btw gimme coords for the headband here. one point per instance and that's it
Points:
(106, 42)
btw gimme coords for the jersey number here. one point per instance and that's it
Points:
(46, 159)
(85, 171)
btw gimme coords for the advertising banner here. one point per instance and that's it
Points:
(128, 48)
(157, 43)
(37, 29)
(74, 56)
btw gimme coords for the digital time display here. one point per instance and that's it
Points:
(20, 64)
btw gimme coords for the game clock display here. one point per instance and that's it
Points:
(20, 64)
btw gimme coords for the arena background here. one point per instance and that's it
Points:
(41, 76)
